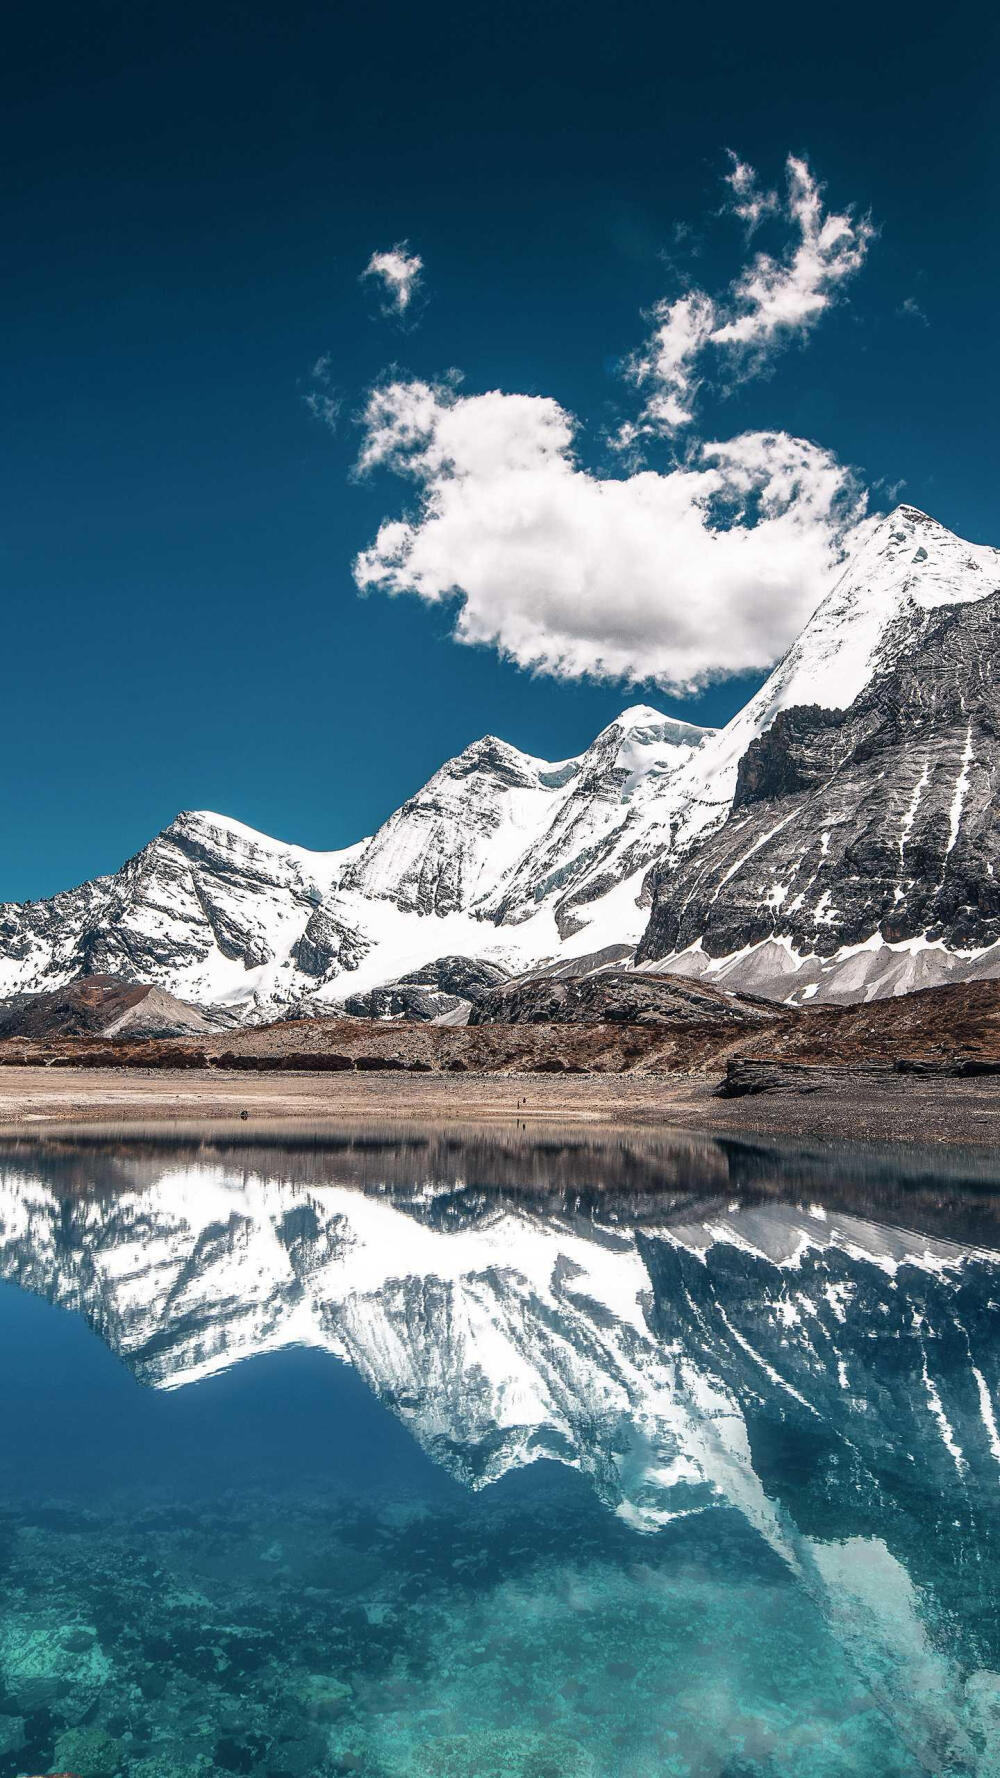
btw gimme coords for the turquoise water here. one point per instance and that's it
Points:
(407, 1458)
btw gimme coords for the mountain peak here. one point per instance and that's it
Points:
(222, 837)
(639, 716)
(496, 759)
(201, 820)
(904, 514)
(643, 722)
(909, 525)
(908, 563)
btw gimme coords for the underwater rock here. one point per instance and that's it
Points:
(982, 1702)
(324, 1697)
(11, 1735)
(89, 1753)
(504, 1753)
(39, 1671)
(239, 1753)
(298, 1747)
(161, 1766)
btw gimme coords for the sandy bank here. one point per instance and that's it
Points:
(895, 1108)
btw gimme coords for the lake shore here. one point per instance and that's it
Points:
(891, 1108)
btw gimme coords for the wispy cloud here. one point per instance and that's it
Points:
(665, 367)
(775, 298)
(321, 398)
(787, 295)
(400, 273)
(748, 201)
(684, 577)
(911, 308)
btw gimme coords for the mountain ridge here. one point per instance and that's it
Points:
(514, 861)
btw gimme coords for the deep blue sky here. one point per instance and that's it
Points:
(190, 195)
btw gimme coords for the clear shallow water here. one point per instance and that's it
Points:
(490, 1457)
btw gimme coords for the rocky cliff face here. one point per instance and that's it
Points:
(864, 842)
(520, 862)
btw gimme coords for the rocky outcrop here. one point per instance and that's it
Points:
(469, 977)
(446, 990)
(328, 946)
(421, 1005)
(100, 1006)
(617, 996)
(745, 1077)
(788, 757)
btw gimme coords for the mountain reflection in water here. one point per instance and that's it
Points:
(777, 1372)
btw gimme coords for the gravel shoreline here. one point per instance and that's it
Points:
(857, 1107)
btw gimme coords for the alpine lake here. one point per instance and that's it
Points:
(414, 1453)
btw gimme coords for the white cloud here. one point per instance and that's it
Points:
(400, 272)
(748, 201)
(788, 295)
(666, 363)
(774, 299)
(706, 571)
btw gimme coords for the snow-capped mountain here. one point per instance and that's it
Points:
(521, 862)
(909, 565)
(227, 917)
(206, 909)
(859, 854)
(835, 1382)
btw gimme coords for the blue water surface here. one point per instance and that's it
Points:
(307, 1476)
